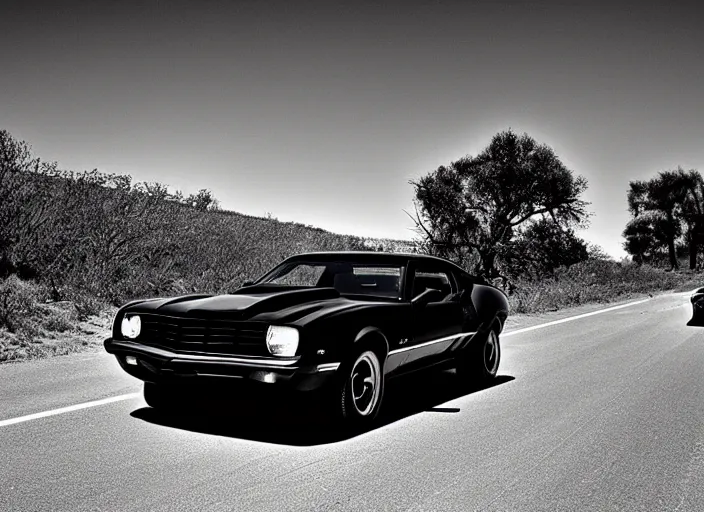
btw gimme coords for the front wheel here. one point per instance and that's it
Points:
(159, 397)
(357, 399)
(480, 362)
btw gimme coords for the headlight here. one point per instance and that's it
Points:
(282, 341)
(131, 326)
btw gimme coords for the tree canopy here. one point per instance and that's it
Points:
(665, 210)
(476, 208)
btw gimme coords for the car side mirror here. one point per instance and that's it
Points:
(247, 283)
(428, 296)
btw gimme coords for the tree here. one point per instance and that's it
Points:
(647, 237)
(597, 253)
(472, 210)
(693, 212)
(543, 247)
(26, 185)
(670, 201)
(202, 201)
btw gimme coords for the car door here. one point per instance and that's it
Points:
(436, 325)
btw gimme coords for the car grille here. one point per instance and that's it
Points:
(191, 335)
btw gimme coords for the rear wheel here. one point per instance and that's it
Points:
(356, 401)
(480, 362)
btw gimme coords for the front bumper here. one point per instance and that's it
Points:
(154, 364)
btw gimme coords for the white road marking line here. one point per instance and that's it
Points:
(570, 318)
(70, 408)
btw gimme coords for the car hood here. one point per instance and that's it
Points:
(258, 303)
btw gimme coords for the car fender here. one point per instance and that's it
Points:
(371, 330)
(114, 327)
(490, 304)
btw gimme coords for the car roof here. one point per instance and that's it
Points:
(398, 258)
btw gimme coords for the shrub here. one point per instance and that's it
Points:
(23, 309)
(594, 281)
(18, 301)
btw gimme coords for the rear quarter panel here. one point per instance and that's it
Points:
(490, 304)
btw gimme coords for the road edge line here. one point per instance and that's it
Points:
(70, 408)
(571, 318)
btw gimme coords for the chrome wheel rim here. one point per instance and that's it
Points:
(491, 353)
(365, 380)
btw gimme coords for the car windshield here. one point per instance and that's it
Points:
(346, 278)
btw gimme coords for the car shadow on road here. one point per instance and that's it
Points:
(299, 424)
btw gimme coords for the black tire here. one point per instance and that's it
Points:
(357, 397)
(479, 364)
(160, 397)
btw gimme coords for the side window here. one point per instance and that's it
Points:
(438, 280)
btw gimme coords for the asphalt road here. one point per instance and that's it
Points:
(599, 413)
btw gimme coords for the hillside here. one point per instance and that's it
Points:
(88, 243)
(96, 236)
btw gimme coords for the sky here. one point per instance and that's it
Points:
(321, 112)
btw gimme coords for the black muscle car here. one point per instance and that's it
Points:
(697, 300)
(339, 323)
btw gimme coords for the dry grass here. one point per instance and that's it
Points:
(85, 335)
(31, 328)
(597, 281)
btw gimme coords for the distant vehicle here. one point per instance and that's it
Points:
(337, 323)
(697, 300)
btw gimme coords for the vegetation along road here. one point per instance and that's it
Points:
(601, 412)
